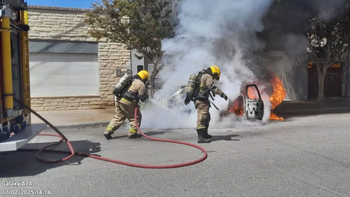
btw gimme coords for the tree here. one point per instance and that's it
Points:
(327, 38)
(328, 42)
(139, 24)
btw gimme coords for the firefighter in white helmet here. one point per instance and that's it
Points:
(126, 104)
(201, 100)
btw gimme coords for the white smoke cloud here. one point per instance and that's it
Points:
(221, 33)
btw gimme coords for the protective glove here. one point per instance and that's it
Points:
(223, 95)
(187, 100)
(115, 91)
(142, 98)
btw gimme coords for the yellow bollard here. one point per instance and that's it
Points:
(6, 65)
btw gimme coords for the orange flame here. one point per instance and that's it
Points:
(237, 108)
(252, 93)
(277, 96)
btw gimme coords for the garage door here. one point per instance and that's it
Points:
(53, 74)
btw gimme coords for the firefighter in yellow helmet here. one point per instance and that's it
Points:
(201, 101)
(126, 104)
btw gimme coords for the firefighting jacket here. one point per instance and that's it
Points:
(206, 86)
(137, 91)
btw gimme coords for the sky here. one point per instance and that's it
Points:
(63, 3)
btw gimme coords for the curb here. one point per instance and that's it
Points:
(78, 125)
(314, 111)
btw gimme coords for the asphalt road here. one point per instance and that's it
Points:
(301, 156)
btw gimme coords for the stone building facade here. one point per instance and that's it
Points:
(61, 34)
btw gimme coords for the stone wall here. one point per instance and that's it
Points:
(56, 23)
(111, 57)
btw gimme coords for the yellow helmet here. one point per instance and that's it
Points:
(215, 70)
(144, 75)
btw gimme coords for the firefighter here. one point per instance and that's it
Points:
(201, 101)
(126, 104)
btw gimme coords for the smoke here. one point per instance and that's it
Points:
(158, 117)
(222, 33)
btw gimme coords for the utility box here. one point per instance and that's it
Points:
(138, 62)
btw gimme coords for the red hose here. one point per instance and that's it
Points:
(72, 152)
(171, 141)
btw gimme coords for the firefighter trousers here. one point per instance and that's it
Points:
(203, 115)
(125, 110)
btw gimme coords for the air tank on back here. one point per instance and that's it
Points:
(119, 88)
(191, 85)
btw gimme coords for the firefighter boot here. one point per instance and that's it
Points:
(132, 134)
(201, 138)
(108, 135)
(206, 135)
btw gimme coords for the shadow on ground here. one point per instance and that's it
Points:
(225, 138)
(148, 133)
(24, 163)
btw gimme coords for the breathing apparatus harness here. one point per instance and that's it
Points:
(193, 87)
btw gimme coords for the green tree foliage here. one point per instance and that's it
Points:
(139, 24)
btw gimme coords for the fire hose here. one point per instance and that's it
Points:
(212, 97)
(72, 152)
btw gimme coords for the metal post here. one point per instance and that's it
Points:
(6, 65)
(1, 107)
(25, 61)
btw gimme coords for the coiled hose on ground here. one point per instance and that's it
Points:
(72, 152)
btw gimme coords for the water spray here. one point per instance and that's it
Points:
(160, 105)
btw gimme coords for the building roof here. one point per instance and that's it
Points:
(57, 8)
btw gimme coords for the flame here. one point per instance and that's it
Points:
(252, 93)
(276, 98)
(237, 107)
